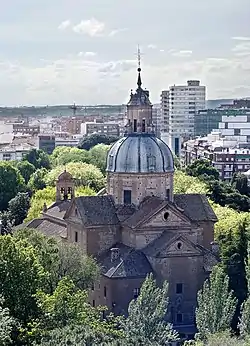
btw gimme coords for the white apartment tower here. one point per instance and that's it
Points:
(165, 116)
(184, 102)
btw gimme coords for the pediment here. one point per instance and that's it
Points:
(167, 217)
(179, 246)
(73, 212)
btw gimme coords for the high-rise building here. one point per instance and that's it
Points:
(184, 103)
(165, 116)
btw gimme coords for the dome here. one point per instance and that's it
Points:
(140, 153)
(64, 176)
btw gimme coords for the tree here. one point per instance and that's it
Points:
(240, 183)
(11, 182)
(60, 260)
(83, 173)
(64, 155)
(98, 156)
(145, 324)
(90, 141)
(220, 339)
(6, 223)
(18, 207)
(21, 275)
(202, 167)
(37, 180)
(6, 324)
(184, 183)
(26, 169)
(216, 305)
(38, 158)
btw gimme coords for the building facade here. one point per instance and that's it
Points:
(109, 129)
(184, 103)
(165, 116)
(138, 225)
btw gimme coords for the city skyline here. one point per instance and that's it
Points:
(70, 51)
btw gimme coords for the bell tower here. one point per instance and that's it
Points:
(65, 187)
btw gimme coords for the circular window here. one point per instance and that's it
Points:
(165, 216)
(179, 246)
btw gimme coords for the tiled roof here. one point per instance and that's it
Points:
(148, 205)
(157, 244)
(48, 227)
(58, 209)
(97, 210)
(195, 206)
(130, 264)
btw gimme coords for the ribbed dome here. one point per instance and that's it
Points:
(140, 153)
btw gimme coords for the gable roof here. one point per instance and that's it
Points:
(47, 227)
(130, 264)
(58, 209)
(195, 206)
(97, 210)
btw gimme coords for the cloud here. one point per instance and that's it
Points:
(87, 54)
(116, 31)
(151, 46)
(64, 25)
(91, 27)
(241, 38)
(242, 48)
(182, 53)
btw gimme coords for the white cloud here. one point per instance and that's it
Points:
(182, 53)
(64, 25)
(151, 46)
(87, 54)
(162, 50)
(241, 38)
(91, 27)
(116, 31)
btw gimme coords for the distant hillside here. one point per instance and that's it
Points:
(216, 103)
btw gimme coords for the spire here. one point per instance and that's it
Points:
(139, 82)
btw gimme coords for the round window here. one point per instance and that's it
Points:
(179, 245)
(165, 216)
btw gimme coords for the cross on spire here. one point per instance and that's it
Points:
(139, 82)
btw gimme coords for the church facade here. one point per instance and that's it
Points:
(138, 225)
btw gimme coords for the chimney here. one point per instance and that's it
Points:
(215, 248)
(45, 208)
(115, 254)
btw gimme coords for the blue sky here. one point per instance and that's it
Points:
(84, 51)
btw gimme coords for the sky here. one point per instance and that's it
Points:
(85, 51)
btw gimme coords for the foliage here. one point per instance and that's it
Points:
(18, 207)
(21, 275)
(202, 167)
(216, 305)
(60, 259)
(11, 182)
(38, 158)
(64, 155)
(184, 183)
(90, 141)
(240, 183)
(83, 173)
(37, 180)
(145, 323)
(6, 325)
(6, 223)
(220, 339)
(48, 196)
(98, 156)
(26, 169)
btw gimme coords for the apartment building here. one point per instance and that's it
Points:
(110, 129)
(164, 129)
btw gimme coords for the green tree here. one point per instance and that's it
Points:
(98, 156)
(18, 207)
(20, 277)
(11, 182)
(90, 141)
(240, 183)
(220, 339)
(63, 155)
(26, 169)
(6, 223)
(216, 305)
(145, 324)
(83, 173)
(37, 180)
(38, 158)
(202, 167)
(6, 325)
(184, 183)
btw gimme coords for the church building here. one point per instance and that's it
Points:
(138, 225)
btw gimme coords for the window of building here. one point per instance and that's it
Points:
(93, 286)
(236, 132)
(179, 288)
(179, 318)
(93, 303)
(127, 196)
(105, 291)
(168, 194)
(76, 237)
(135, 125)
(151, 163)
(143, 128)
(136, 292)
(226, 125)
